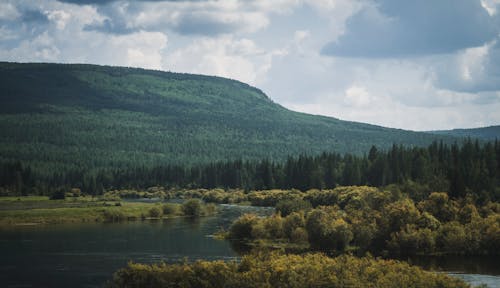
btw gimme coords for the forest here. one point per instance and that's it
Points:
(89, 117)
(471, 168)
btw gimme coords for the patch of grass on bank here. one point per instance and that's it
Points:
(43, 202)
(44, 211)
(7, 199)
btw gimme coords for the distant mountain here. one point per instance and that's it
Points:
(484, 133)
(65, 116)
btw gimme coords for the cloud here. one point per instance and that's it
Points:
(471, 70)
(394, 28)
(60, 17)
(8, 12)
(490, 6)
(54, 32)
(17, 23)
(213, 23)
(40, 48)
(141, 49)
(34, 16)
(357, 96)
(104, 2)
(204, 18)
(225, 56)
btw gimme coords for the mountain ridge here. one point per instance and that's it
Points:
(92, 116)
(488, 133)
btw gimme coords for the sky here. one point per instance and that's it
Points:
(418, 65)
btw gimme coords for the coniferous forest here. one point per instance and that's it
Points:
(459, 169)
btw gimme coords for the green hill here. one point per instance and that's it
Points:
(486, 133)
(69, 116)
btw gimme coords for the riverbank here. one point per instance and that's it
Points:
(87, 254)
(36, 210)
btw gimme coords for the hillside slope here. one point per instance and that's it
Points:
(486, 133)
(88, 116)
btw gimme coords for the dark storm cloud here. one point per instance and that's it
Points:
(395, 28)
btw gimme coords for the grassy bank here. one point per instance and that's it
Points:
(39, 210)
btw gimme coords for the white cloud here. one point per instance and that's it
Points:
(357, 96)
(225, 56)
(300, 35)
(8, 12)
(60, 17)
(490, 6)
(471, 62)
(40, 48)
(142, 49)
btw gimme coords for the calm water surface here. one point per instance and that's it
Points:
(86, 255)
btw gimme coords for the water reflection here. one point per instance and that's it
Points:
(470, 264)
(86, 255)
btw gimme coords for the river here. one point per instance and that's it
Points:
(86, 255)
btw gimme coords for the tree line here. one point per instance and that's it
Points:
(469, 168)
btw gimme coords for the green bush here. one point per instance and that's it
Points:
(114, 215)
(59, 194)
(242, 227)
(155, 212)
(170, 209)
(192, 208)
(285, 207)
(373, 221)
(292, 222)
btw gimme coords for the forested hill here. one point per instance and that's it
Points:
(485, 133)
(65, 116)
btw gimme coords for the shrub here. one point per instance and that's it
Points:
(192, 208)
(451, 237)
(209, 209)
(59, 194)
(170, 209)
(242, 227)
(274, 270)
(155, 212)
(286, 207)
(299, 235)
(292, 222)
(113, 215)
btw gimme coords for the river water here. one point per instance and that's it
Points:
(86, 255)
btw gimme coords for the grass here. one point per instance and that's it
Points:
(34, 210)
(23, 198)
(43, 202)
(39, 210)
